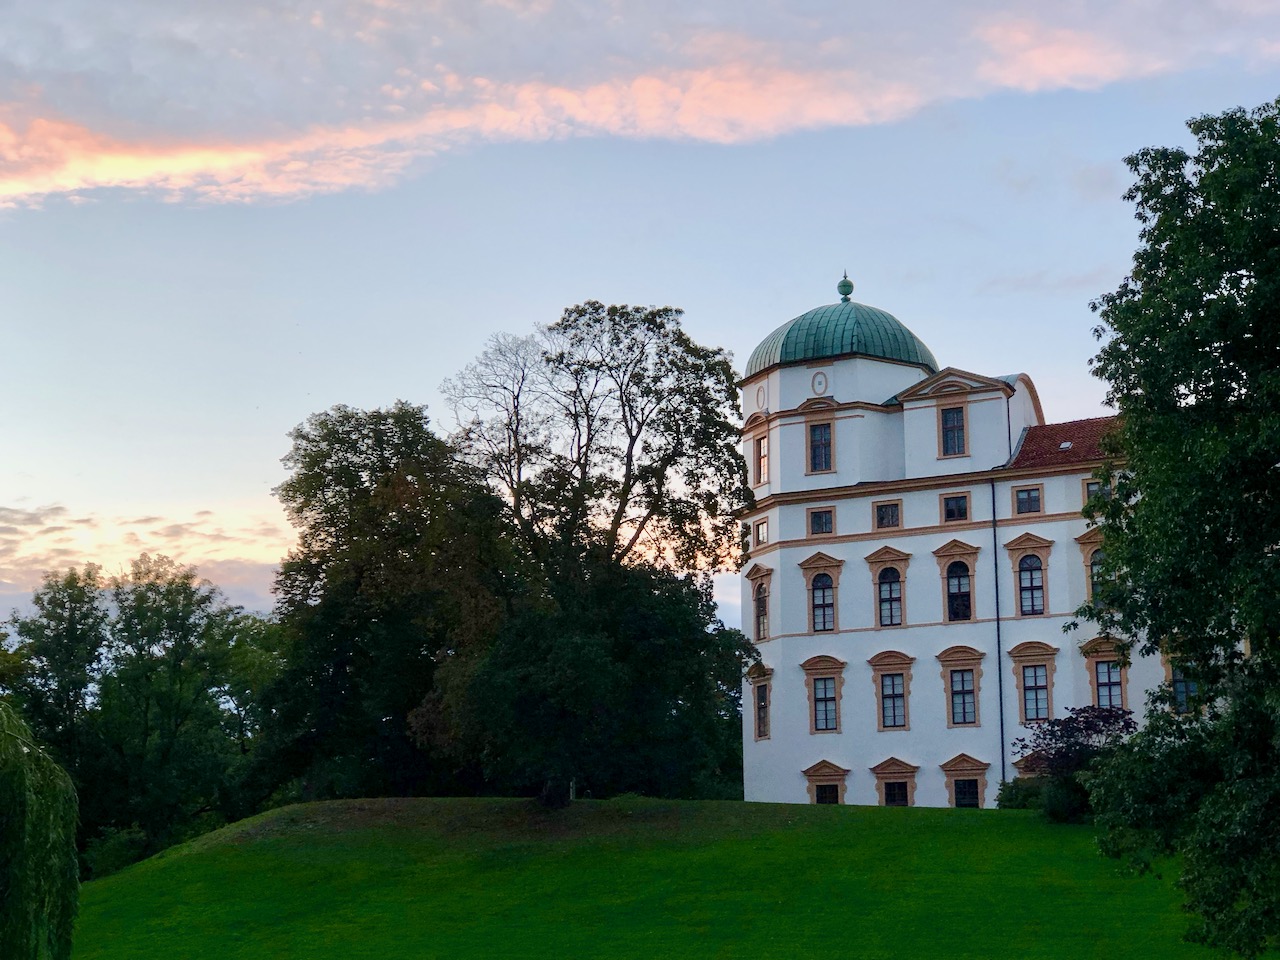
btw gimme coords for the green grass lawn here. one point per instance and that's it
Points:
(643, 879)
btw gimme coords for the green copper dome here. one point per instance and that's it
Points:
(841, 329)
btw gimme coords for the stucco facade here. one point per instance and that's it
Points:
(917, 546)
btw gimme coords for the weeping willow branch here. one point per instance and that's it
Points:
(39, 883)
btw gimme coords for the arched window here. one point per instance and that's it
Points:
(1030, 586)
(1096, 575)
(959, 594)
(824, 603)
(890, 596)
(762, 612)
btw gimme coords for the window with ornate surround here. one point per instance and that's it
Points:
(888, 582)
(821, 521)
(825, 774)
(891, 674)
(1090, 543)
(822, 583)
(886, 515)
(761, 679)
(895, 771)
(960, 771)
(760, 578)
(1028, 499)
(957, 585)
(824, 681)
(820, 446)
(953, 507)
(953, 431)
(1029, 555)
(1034, 664)
(1108, 673)
(962, 692)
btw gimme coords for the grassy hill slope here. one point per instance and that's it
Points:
(392, 879)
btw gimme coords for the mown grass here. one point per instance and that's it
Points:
(629, 878)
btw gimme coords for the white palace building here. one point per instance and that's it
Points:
(916, 546)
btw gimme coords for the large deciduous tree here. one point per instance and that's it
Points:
(401, 563)
(1191, 356)
(609, 431)
(39, 873)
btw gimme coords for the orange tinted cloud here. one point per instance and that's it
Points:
(729, 104)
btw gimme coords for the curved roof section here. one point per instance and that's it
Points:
(841, 329)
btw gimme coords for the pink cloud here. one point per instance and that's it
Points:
(1030, 57)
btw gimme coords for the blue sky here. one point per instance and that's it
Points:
(216, 219)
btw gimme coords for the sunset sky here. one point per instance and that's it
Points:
(218, 218)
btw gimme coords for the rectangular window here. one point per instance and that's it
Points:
(762, 532)
(819, 447)
(955, 508)
(895, 793)
(1110, 693)
(827, 793)
(762, 711)
(1184, 691)
(1096, 488)
(893, 700)
(964, 708)
(1035, 692)
(824, 703)
(1027, 500)
(888, 515)
(967, 793)
(953, 431)
(821, 522)
(762, 459)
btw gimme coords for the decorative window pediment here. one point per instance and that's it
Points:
(954, 550)
(960, 656)
(888, 557)
(893, 767)
(1028, 543)
(759, 673)
(962, 764)
(823, 664)
(825, 768)
(821, 561)
(963, 767)
(952, 381)
(817, 403)
(824, 773)
(758, 571)
(891, 660)
(753, 421)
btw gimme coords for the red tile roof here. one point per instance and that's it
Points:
(1043, 446)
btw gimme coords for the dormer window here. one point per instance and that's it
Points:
(951, 421)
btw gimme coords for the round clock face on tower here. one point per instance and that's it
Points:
(819, 384)
(760, 397)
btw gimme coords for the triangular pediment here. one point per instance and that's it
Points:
(757, 571)
(963, 763)
(956, 548)
(1028, 541)
(953, 381)
(887, 554)
(820, 560)
(893, 766)
(891, 658)
(825, 768)
(1091, 536)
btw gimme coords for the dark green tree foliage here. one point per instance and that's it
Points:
(161, 715)
(401, 563)
(610, 431)
(630, 685)
(137, 685)
(62, 646)
(1191, 354)
(39, 885)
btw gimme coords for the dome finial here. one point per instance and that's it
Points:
(844, 288)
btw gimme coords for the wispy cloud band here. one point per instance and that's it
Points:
(254, 103)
